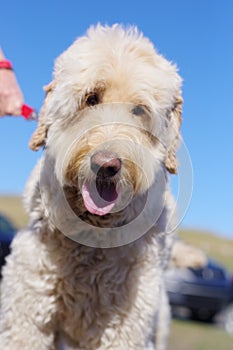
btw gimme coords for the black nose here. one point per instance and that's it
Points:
(105, 164)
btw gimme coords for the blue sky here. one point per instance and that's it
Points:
(197, 35)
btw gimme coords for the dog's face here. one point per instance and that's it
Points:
(111, 120)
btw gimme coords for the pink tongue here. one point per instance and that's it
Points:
(101, 201)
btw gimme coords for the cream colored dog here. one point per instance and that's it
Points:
(88, 269)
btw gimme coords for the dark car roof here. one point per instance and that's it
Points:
(212, 271)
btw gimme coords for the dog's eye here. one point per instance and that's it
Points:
(139, 110)
(92, 99)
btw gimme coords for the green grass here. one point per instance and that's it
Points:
(184, 335)
(198, 336)
(217, 247)
(12, 207)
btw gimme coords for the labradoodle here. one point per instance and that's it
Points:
(88, 269)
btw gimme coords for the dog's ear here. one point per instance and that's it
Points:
(175, 119)
(39, 136)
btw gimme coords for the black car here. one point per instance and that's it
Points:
(203, 292)
(7, 232)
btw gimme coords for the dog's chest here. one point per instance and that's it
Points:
(93, 292)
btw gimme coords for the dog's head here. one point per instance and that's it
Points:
(111, 118)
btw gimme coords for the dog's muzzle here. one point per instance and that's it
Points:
(100, 196)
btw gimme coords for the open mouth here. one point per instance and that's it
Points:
(99, 196)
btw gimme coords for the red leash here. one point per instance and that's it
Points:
(28, 112)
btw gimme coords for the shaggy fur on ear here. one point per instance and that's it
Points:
(175, 119)
(39, 136)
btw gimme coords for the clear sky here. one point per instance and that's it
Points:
(197, 35)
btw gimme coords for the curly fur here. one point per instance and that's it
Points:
(92, 297)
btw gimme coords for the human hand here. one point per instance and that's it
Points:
(11, 97)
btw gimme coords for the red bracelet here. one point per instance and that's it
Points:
(5, 64)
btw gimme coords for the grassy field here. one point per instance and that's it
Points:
(217, 247)
(12, 207)
(185, 335)
(197, 336)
